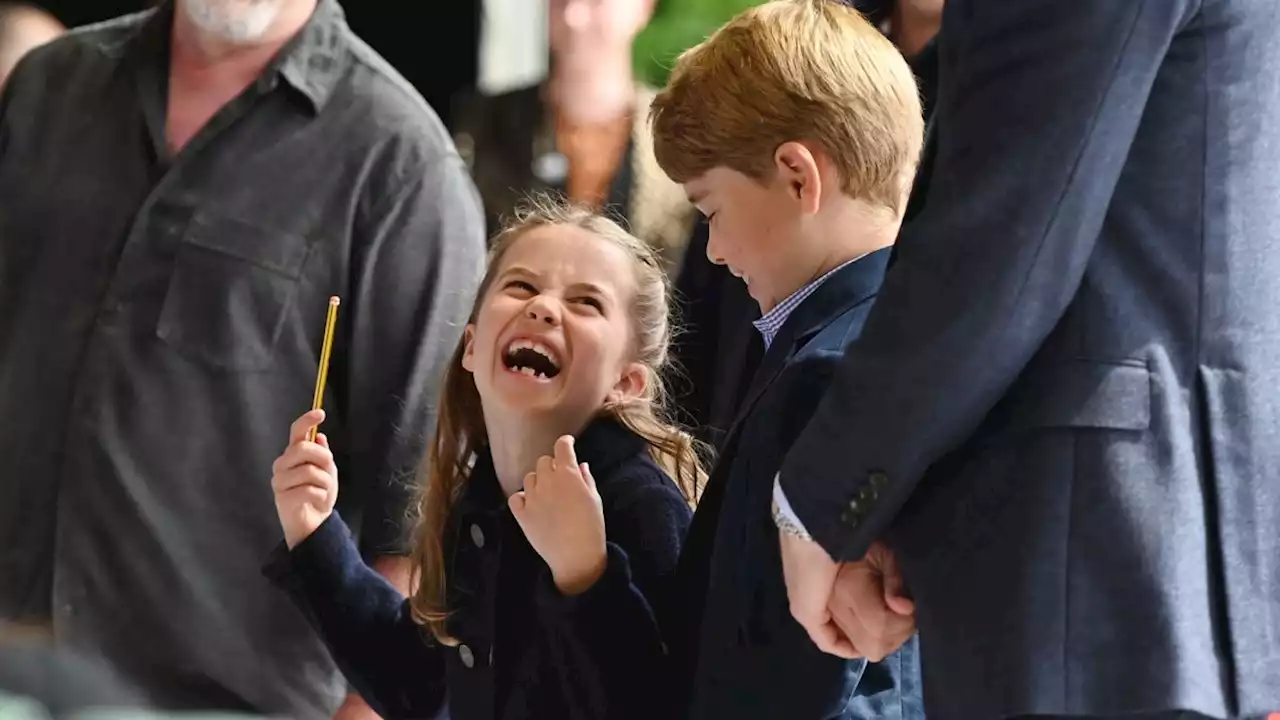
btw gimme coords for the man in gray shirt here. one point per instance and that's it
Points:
(180, 192)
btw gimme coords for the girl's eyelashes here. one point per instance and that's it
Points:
(592, 302)
(524, 287)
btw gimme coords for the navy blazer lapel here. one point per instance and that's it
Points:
(845, 289)
(848, 287)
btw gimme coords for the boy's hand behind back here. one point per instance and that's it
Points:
(305, 481)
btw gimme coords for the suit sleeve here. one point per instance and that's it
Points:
(364, 620)
(607, 643)
(1041, 102)
(420, 260)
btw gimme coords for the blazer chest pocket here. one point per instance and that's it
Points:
(228, 295)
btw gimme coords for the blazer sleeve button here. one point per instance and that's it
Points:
(852, 513)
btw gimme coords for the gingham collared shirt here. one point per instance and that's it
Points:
(771, 322)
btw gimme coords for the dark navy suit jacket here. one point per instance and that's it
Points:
(1062, 414)
(745, 654)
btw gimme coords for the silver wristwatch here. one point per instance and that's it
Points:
(786, 525)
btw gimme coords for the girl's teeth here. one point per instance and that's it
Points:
(530, 345)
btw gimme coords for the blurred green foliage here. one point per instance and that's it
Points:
(678, 25)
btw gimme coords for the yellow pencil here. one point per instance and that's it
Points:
(323, 373)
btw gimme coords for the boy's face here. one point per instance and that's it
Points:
(757, 228)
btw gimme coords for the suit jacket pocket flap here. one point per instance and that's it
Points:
(1090, 394)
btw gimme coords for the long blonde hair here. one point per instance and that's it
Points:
(460, 428)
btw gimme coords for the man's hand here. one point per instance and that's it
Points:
(811, 576)
(869, 606)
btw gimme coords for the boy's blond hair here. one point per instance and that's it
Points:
(813, 71)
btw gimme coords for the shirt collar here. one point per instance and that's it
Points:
(771, 322)
(316, 59)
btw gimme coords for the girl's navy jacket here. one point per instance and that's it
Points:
(524, 650)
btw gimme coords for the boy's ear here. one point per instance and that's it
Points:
(797, 166)
(469, 348)
(632, 384)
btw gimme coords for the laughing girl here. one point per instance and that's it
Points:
(551, 405)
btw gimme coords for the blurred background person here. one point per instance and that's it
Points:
(22, 28)
(910, 24)
(584, 132)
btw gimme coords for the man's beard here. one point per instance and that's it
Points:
(239, 22)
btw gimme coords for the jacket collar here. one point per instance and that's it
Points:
(846, 288)
(604, 444)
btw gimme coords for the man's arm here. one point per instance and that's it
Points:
(1036, 122)
(417, 271)
(417, 275)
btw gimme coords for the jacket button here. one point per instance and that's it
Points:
(878, 480)
(466, 656)
(477, 535)
(851, 514)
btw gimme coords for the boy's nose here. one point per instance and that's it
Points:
(713, 256)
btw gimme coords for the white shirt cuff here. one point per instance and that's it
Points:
(784, 507)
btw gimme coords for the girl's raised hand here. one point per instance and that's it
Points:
(305, 480)
(563, 518)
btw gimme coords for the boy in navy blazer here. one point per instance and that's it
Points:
(795, 129)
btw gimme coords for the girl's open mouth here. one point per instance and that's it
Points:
(532, 358)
